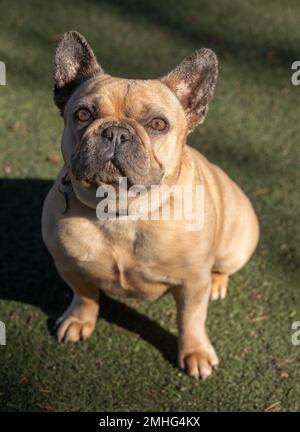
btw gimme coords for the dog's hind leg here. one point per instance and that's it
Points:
(219, 284)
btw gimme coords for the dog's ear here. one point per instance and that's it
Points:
(74, 63)
(193, 82)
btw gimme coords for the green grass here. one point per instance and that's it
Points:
(252, 131)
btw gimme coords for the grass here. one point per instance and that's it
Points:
(251, 131)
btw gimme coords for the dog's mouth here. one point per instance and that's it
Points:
(108, 173)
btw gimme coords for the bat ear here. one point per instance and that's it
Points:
(193, 81)
(74, 63)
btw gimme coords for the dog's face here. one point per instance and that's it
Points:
(117, 127)
(127, 128)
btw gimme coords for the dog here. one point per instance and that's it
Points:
(137, 129)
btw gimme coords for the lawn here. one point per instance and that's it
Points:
(252, 131)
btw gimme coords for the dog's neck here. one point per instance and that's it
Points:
(86, 193)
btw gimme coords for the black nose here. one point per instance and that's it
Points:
(116, 134)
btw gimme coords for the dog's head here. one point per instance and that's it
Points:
(127, 128)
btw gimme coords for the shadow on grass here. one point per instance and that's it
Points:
(28, 275)
(199, 23)
(211, 24)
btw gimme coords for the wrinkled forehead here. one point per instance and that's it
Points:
(130, 98)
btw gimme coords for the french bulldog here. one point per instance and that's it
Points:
(137, 129)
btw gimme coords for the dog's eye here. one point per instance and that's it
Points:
(83, 115)
(158, 124)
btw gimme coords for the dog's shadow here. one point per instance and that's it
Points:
(29, 276)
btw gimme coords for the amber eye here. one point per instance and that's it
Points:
(83, 115)
(158, 124)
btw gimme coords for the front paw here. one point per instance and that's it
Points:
(72, 329)
(199, 363)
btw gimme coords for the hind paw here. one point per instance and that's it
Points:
(219, 283)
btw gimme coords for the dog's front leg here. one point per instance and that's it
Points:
(195, 352)
(79, 320)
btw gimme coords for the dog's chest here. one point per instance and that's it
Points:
(120, 258)
(136, 268)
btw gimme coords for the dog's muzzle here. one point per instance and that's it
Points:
(114, 135)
